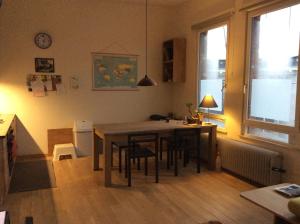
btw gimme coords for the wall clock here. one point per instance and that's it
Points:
(43, 40)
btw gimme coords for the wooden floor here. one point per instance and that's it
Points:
(190, 198)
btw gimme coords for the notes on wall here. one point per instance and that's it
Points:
(40, 84)
(74, 82)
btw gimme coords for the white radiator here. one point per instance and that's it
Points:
(254, 163)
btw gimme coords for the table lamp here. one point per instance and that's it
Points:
(208, 101)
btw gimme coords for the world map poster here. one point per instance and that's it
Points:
(114, 71)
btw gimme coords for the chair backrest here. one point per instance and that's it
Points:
(183, 136)
(140, 138)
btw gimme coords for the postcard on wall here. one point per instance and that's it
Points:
(114, 71)
(38, 88)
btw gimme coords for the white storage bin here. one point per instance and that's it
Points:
(83, 137)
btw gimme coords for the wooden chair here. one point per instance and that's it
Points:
(29, 220)
(120, 146)
(137, 150)
(185, 140)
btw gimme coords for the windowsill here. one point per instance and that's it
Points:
(222, 130)
(267, 142)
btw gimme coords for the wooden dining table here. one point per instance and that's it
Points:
(119, 132)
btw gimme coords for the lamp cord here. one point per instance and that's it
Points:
(146, 37)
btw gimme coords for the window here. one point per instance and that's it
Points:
(268, 134)
(212, 65)
(272, 73)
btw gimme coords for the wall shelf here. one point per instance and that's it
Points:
(174, 56)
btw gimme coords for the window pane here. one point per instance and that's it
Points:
(267, 134)
(213, 46)
(274, 66)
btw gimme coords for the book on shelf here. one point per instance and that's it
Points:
(291, 190)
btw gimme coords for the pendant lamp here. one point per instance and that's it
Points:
(146, 81)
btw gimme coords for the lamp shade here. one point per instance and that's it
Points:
(146, 81)
(208, 101)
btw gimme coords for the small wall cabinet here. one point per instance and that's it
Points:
(174, 56)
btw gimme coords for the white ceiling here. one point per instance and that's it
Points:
(156, 2)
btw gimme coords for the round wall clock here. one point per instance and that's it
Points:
(43, 40)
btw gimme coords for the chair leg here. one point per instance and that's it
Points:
(168, 156)
(112, 155)
(138, 163)
(198, 153)
(180, 154)
(146, 166)
(126, 164)
(133, 153)
(160, 148)
(171, 157)
(156, 163)
(184, 157)
(176, 161)
(188, 155)
(120, 160)
(129, 169)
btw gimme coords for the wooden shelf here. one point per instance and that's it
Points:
(174, 54)
(8, 149)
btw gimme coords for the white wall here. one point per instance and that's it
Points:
(78, 28)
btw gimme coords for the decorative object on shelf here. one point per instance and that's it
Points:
(189, 106)
(146, 81)
(114, 71)
(208, 101)
(194, 117)
(45, 65)
(43, 40)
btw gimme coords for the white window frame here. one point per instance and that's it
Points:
(247, 122)
(220, 117)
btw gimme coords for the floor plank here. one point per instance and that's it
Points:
(190, 198)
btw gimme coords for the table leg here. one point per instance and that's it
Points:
(212, 146)
(176, 157)
(198, 151)
(96, 152)
(107, 160)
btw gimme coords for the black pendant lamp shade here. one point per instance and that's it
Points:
(146, 81)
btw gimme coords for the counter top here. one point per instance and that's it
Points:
(4, 126)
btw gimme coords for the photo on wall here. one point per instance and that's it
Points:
(114, 71)
(44, 65)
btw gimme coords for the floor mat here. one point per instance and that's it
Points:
(32, 175)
